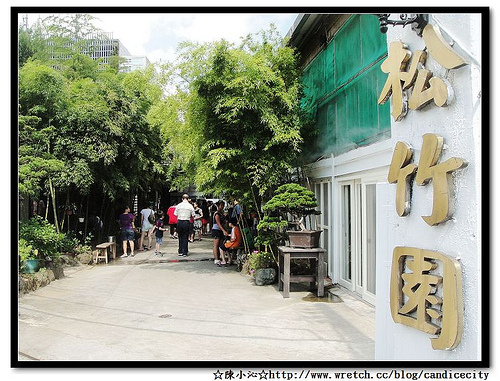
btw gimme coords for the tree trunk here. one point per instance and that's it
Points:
(54, 204)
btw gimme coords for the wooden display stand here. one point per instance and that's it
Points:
(286, 254)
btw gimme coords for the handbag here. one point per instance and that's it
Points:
(151, 218)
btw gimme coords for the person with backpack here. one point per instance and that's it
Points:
(147, 224)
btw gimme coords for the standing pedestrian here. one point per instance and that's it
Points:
(205, 218)
(218, 230)
(184, 212)
(197, 224)
(127, 228)
(147, 224)
(172, 220)
(159, 229)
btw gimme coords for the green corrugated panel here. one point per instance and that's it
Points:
(374, 43)
(329, 68)
(347, 51)
(344, 83)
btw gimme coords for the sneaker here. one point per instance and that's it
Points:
(124, 256)
(216, 262)
(179, 255)
(184, 255)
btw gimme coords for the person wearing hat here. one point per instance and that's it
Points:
(147, 226)
(184, 212)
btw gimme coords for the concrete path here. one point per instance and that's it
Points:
(151, 308)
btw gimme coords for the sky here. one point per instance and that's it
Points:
(157, 35)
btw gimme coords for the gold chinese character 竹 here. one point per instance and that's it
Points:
(442, 185)
(401, 172)
(426, 300)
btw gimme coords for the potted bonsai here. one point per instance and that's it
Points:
(297, 201)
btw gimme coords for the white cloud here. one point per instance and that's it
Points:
(157, 35)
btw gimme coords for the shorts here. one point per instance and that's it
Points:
(217, 234)
(146, 226)
(128, 235)
(159, 240)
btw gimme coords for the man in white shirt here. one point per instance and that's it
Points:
(184, 211)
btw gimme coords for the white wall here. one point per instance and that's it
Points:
(460, 126)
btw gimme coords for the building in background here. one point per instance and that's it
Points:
(134, 63)
(396, 169)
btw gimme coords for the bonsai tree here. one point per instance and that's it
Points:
(293, 199)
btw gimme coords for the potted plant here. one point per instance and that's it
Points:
(262, 266)
(298, 202)
(28, 257)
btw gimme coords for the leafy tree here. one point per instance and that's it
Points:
(84, 127)
(243, 123)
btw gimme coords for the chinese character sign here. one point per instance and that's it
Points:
(405, 72)
(426, 294)
(401, 172)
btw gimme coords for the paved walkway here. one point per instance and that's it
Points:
(169, 308)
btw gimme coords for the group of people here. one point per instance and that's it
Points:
(198, 223)
(187, 221)
(225, 240)
(151, 222)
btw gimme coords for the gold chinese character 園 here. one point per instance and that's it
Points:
(442, 186)
(401, 171)
(426, 294)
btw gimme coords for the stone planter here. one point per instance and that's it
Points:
(306, 239)
(265, 276)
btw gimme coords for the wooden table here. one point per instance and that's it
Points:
(286, 254)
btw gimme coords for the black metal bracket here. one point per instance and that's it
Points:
(417, 21)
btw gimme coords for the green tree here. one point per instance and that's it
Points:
(84, 127)
(243, 122)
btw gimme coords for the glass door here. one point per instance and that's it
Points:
(323, 192)
(369, 240)
(357, 226)
(347, 235)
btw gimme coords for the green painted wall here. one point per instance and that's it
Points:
(342, 85)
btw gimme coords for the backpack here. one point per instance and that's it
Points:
(151, 218)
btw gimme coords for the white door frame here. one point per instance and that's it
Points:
(358, 239)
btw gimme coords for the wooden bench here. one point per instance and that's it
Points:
(288, 253)
(102, 251)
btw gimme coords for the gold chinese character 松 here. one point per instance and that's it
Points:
(426, 294)
(426, 88)
(440, 49)
(395, 66)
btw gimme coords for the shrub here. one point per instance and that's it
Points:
(260, 260)
(26, 251)
(42, 236)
